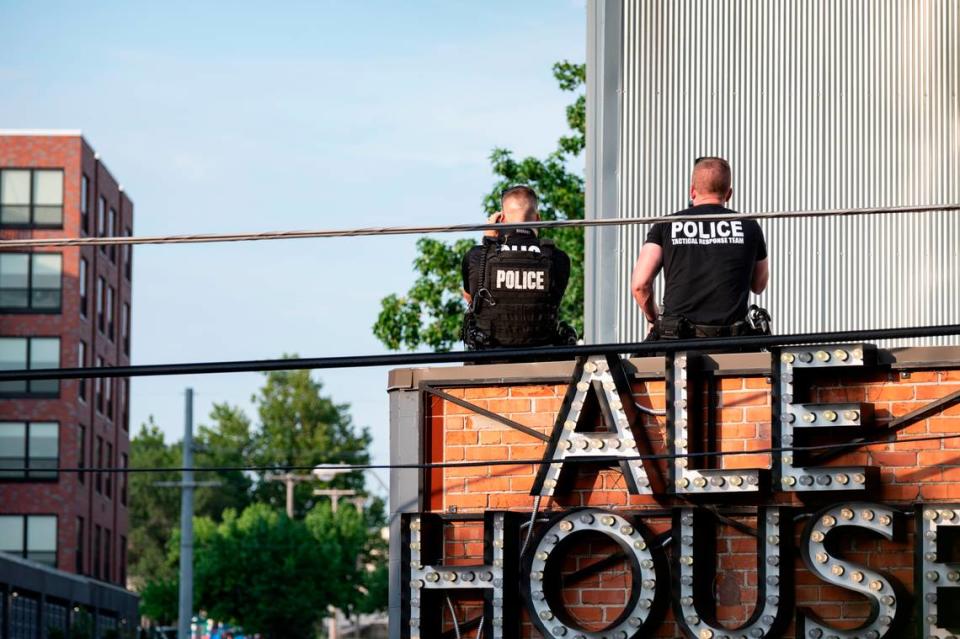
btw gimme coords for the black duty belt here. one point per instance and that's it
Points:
(674, 327)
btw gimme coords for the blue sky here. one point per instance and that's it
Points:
(254, 116)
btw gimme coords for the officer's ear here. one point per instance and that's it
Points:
(693, 192)
(728, 196)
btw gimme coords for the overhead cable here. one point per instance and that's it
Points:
(493, 462)
(552, 353)
(207, 238)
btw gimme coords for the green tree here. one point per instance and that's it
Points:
(431, 312)
(264, 572)
(160, 598)
(227, 443)
(342, 540)
(154, 511)
(301, 427)
(298, 426)
(357, 555)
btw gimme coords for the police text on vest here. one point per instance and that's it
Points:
(520, 280)
(722, 232)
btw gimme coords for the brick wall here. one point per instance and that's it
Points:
(910, 471)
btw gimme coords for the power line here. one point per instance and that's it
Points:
(207, 238)
(478, 357)
(499, 462)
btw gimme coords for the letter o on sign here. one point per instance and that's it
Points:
(542, 583)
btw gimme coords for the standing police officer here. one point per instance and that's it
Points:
(513, 283)
(710, 268)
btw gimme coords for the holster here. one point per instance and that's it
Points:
(673, 327)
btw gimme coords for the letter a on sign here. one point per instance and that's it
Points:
(601, 379)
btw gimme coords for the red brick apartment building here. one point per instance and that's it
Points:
(63, 307)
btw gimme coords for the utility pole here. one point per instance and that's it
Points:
(187, 486)
(186, 524)
(290, 480)
(335, 494)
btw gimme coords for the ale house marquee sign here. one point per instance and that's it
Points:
(676, 569)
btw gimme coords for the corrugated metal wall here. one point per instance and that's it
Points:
(817, 104)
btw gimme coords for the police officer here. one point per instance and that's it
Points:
(710, 268)
(514, 282)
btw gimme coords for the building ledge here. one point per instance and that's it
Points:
(744, 364)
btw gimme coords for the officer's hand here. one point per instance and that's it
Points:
(495, 218)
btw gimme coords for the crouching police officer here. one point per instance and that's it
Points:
(513, 283)
(709, 268)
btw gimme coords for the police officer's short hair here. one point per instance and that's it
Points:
(717, 174)
(520, 190)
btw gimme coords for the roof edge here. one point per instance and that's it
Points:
(43, 132)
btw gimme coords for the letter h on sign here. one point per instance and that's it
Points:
(427, 582)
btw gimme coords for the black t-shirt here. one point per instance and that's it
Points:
(708, 266)
(520, 239)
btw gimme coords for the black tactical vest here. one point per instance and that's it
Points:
(514, 305)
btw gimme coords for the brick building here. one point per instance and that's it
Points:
(63, 307)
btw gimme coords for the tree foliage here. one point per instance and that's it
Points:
(240, 558)
(431, 312)
(153, 511)
(226, 442)
(264, 572)
(277, 576)
(301, 427)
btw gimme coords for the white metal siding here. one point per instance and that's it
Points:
(817, 104)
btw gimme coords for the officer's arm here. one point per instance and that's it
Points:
(761, 274)
(641, 283)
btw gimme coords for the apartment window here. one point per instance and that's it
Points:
(98, 388)
(101, 285)
(81, 362)
(125, 403)
(84, 297)
(29, 450)
(85, 204)
(31, 353)
(108, 477)
(109, 313)
(124, 463)
(31, 197)
(125, 328)
(82, 454)
(101, 220)
(32, 537)
(80, 546)
(107, 552)
(96, 551)
(98, 485)
(30, 282)
(108, 397)
(112, 229)
(127, 255)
